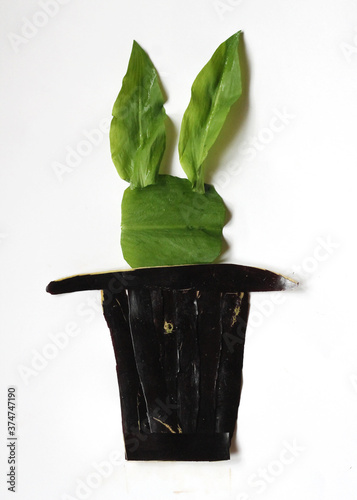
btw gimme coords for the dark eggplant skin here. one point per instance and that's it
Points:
(179, 360)
(117, 317)
(178, 335)
(234, 319)
(179, 447)
(224, 277)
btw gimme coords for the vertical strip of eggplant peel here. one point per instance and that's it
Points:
(163, 317)
(115, 309)
(209, 344)
(147, 356)
(170, 358)
(188, 358)
(234, 310)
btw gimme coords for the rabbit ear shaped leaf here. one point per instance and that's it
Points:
(215, 89)
(137, 131)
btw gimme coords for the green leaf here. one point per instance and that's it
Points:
(215, 89)
(169, 224)
(137, 131)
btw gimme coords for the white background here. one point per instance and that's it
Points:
(290, 186)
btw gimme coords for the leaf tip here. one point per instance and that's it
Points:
(137, 48)
(235, 37)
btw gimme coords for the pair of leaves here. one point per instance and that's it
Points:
(167, 220)
(137, 134)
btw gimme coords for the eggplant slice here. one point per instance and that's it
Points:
(178, 334)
